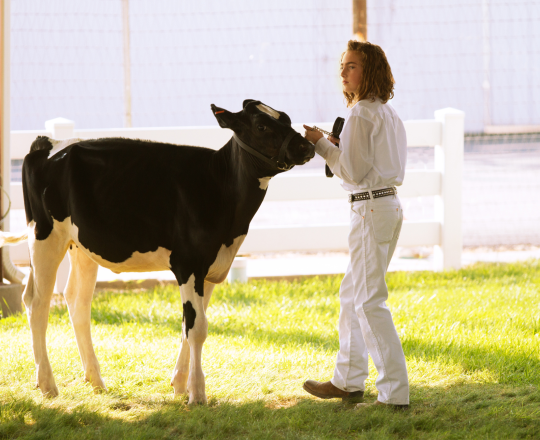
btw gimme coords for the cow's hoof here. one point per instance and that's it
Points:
(194, 401)
(179, 384)
(47, 385)
(179, 390)
(100, 389)
(97, 384)
(196, 396)
(49, 392)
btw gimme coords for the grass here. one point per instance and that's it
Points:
(471, 338)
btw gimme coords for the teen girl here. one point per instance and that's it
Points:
(371, 163)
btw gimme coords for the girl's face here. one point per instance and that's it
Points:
(351, 71)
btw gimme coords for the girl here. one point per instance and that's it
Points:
(371, 163)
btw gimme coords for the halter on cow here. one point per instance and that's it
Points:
(279, 163)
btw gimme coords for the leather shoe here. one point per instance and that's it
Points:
(327, 390)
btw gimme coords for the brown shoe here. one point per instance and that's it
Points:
(388, 405)
(327, 390)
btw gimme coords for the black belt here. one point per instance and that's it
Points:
(376, 194)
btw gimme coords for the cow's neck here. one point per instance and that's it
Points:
(247, 180)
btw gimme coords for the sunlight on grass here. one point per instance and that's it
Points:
(471, 338)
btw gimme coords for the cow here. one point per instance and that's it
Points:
(133, 205)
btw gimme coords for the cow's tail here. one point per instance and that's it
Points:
(41, 143)
(11, 239)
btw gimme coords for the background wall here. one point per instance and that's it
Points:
(480, 56)
(67, 59)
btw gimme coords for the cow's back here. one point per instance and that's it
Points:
(123, 195)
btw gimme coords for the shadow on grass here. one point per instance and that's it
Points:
(465, 411)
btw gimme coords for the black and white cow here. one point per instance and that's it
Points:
(133, 205)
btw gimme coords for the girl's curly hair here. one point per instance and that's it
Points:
(377, 80)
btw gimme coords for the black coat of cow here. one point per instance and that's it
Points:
(128, 197)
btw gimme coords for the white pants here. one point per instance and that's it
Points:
(365, 322)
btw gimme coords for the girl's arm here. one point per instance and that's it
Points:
(355, 158)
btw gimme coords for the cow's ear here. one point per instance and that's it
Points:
(247, 101)
(225, 118)
(284, 117)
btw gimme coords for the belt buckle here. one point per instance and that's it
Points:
(351, 198)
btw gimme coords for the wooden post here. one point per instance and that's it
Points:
(127, 64)
(3, 109)
(10, 294)
(486, 50)
(360, 19)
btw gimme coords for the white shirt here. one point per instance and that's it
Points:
(373, 148)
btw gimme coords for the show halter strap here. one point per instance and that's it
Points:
(282, 152)
(252, 151)
(280, 163)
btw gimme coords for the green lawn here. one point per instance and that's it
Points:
(471, 338)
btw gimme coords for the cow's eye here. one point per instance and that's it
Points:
(261, 128)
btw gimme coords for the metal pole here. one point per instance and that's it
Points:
(360, 19)
(127, 64)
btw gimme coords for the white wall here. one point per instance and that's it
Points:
(67, 59)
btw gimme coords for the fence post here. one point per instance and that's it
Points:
(449, 161)
(60, 128)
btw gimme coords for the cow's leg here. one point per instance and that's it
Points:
(181, 370)
(79, 292)
(188, 376)
(45, 257)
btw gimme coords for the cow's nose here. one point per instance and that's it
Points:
(307, 151)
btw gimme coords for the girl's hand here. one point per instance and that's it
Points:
(333, 139)
(312, 135)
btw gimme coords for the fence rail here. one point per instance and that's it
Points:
(445, 133)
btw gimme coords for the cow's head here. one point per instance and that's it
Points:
(269, 133)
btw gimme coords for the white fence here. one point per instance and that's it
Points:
(445, 133)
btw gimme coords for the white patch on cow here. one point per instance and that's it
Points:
(195, 340)
(220, 267)
(45, 256)
(138, 262)
(78, 295)
(263, 182)
(59, 145)
(268, 110)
